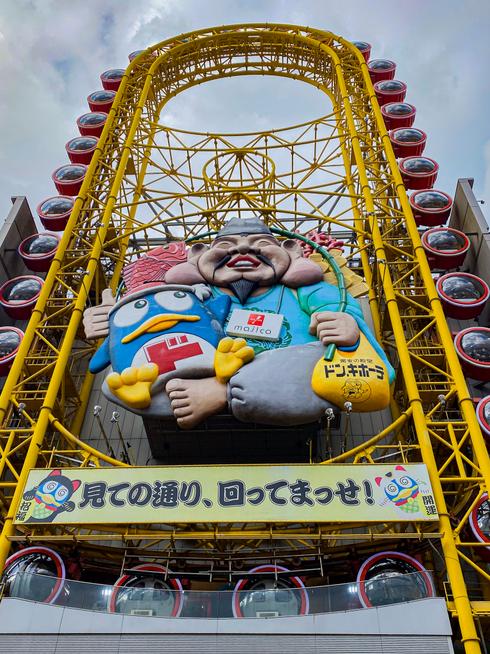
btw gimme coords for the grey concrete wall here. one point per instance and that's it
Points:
(18, 225)
(427, 617)
(468, 217)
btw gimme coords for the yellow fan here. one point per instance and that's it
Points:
(359, 377)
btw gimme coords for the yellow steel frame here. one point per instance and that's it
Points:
(342, 177)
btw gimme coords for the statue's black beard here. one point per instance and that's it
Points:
(243, 288)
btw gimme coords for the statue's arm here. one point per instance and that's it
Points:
(321, 302)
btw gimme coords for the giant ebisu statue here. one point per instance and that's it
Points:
(237, 326)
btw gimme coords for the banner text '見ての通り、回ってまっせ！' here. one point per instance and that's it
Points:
(282, 493)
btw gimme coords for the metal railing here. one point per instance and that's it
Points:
(270, 599)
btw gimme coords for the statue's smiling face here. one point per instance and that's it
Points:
(256, 257)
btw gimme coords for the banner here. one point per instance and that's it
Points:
(252, 493)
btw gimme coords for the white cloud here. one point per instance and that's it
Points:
(52, 53)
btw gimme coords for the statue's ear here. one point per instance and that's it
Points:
(188, 272)
(196, 251)
(301, 271)
(293, 248)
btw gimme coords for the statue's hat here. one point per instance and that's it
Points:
(238, 226)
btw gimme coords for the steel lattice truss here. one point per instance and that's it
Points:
(149, 182)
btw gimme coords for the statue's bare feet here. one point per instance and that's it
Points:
(193, 400)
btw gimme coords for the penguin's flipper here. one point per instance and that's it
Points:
(67, 506)
(133, 385)
(101, 358)
(231, 354)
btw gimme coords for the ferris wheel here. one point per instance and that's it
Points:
(356, 181)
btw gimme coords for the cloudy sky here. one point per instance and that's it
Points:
(53, 51)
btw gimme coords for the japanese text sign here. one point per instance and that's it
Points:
(282, 493)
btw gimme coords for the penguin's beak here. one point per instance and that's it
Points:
(159, 324)
(405, 493)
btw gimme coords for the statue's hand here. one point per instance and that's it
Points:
(335, 327)
(96, 319)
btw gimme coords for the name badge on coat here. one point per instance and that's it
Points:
(254, 324)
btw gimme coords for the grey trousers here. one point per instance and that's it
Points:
(275, 388)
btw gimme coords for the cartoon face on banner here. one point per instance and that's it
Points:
(406, 493)
(216, 332)
(49, 498)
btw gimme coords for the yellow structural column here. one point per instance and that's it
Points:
(458, 585)
(70, 333)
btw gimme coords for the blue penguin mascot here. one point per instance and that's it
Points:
(159, 332)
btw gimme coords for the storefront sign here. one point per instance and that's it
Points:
(260, 493)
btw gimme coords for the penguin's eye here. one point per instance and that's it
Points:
(174, 300)
(49, 486)
(131, 313)
(61, 493)
(392, 489)
(405, 482)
